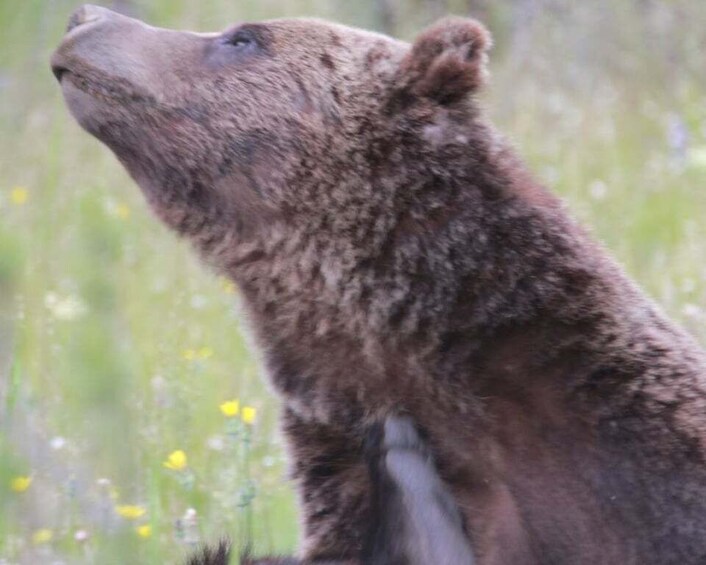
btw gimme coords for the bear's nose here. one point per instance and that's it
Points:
(86, 14)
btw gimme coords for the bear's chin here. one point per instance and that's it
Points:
(90, 112)
(101, 112)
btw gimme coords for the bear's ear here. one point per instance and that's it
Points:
(446, 62)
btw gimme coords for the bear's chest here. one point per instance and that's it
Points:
(336, 382)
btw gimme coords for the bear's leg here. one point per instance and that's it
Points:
(333, 484)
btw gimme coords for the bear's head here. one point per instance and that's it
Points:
(283, 133)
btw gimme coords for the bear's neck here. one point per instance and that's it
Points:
(477, 246)
(491, 283)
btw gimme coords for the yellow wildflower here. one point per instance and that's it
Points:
(130, 511)
(201, 353)
(19, 195)
(144, 531)
(228, 286)
(249, 414)
(176, 460)
(20, 483)
(45, 535)
(230, 408)
(122, 211)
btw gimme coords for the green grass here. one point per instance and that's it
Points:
(117, 346)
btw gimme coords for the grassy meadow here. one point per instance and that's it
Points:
(134, 423)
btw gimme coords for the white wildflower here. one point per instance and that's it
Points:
(57, 443)
(598, 190)
(68, 307)
(216, 443)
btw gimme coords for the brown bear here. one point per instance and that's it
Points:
(396, 257)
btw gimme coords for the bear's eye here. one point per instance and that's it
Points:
(240, 39)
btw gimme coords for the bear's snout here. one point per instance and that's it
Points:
(91, 34)
(111, 66)
(86, 14)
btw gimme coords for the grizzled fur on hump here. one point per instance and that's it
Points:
(396, 257)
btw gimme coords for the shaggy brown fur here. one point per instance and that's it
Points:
(396, 257)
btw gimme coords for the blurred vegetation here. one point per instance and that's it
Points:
(118, 349)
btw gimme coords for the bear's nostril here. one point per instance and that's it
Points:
(86, 14)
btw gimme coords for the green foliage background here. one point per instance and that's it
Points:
(117, 346)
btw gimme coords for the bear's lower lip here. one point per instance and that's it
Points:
(114, 92)
(72, 81)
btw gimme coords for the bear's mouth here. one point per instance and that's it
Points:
(112, 90)
(59, 72)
